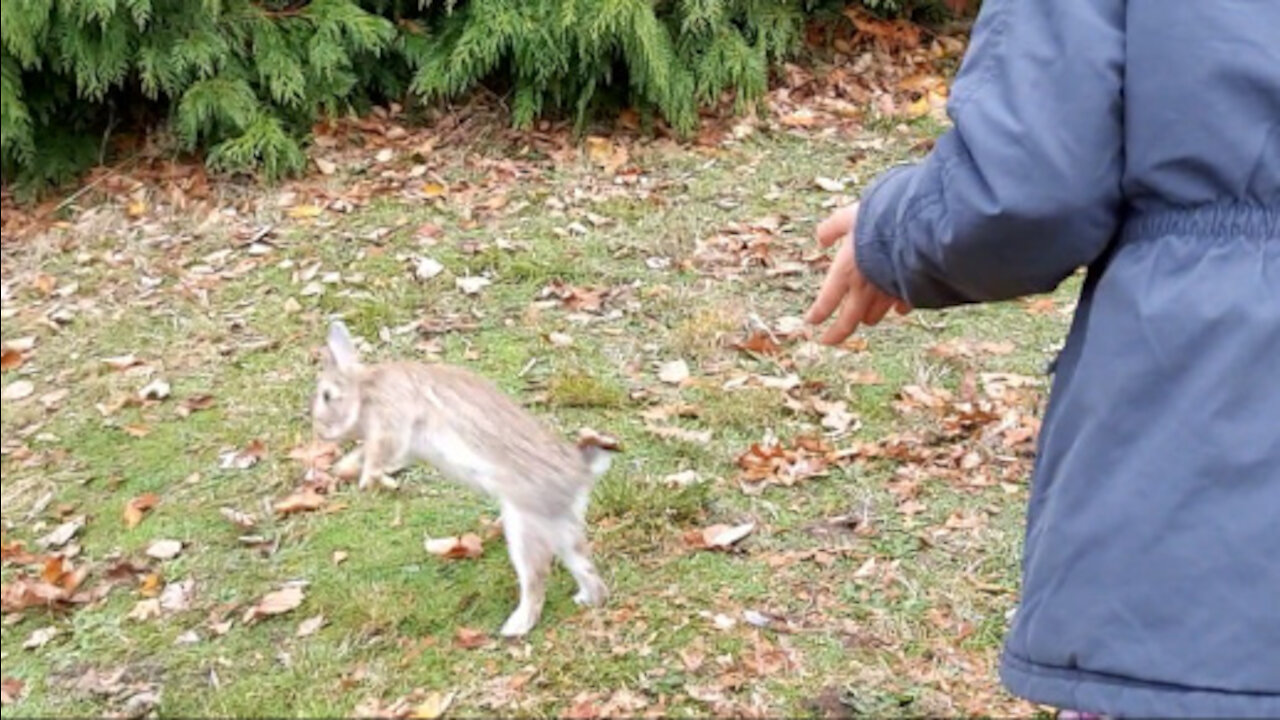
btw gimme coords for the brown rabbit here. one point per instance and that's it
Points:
(474, 434)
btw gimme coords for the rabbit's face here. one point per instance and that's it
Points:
(335, 409)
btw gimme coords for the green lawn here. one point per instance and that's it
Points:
(897, 606)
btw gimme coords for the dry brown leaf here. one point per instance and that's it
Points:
(195, 403)
(18, 390)
(434, 706)
(121, 362)
(605, 154)
(317, 454)
(62, 534)
(469, 638)
(760, 343)
(11, 359)
(24, 593)
(150, 585)
(672, 432)
(719, 537)
(277, 602)
(242, 520)
(40, 637)
(136, 509)
(164, 549)
(300, 212)
(244, 459)
(304, 499)
(137, 430)
(11, 690)
(310, 626)
(674, 372)
(469, 545)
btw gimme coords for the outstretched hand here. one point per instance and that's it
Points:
(845, 287)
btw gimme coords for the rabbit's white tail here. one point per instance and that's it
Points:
(597, 450)
(598, 459)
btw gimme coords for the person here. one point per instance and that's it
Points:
(1141, 141)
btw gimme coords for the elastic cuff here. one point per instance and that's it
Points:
(875, 232)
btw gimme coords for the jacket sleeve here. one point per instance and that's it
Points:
(1025, 187)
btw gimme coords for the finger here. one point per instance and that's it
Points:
(834, 288)
(879, 308)
(902, 306)
(851, 313)
(838, 225)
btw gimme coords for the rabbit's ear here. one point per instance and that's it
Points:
(341, 350)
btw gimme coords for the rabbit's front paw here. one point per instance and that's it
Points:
(349, 467)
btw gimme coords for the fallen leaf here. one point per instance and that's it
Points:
(136, 209)
(468, 545)
(277, 602)
(310, 626)
(606, 155)
(674, 372)
(136, 508)
(301, 212)
(340, 556)
(317, 454)
(54, 398)
(11, 690)
(469, 639)
(560, 339)
(121, 362)
(719, 537)
(22, 345)
(684, 478)
(151, 585)
(18, 390)
(243, 459)
(26, 593)
(828, 184)
(177, 596)
(800, 119)
(39, 638)
(760, 343)
(672, 432)
(434, 190)
(62, 534)
(137, 430)
(164, 549)
(425, 268)
(145, 610)
(242, 520)
(433, 707)
(190, 637)
(302, 500)
(473, 284)
(326, 167)
(11, 359)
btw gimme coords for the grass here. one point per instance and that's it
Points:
(879, 638)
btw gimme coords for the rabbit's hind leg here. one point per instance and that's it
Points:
(575, 553)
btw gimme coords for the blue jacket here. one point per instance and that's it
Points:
(1139, 139)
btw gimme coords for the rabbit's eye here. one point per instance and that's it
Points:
(326, 396)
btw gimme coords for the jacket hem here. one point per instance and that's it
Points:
(1075, 689)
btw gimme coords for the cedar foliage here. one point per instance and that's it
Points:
(243, 80)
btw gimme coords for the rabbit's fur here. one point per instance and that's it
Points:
(473, 434)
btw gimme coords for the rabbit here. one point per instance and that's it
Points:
(475, 435)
